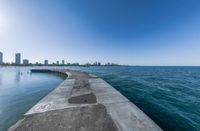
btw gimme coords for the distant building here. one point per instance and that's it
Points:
(99, 64)
(57, 62)
(87, 64)
(38, 63)
(63, 62)
(17, 58)
(1, 58)
(25, 62)
(46, 62)
(75, 64)
(111, 64)
(95, 63)
(108, 64)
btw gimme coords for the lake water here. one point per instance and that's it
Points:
(20, 90)
(168, 95)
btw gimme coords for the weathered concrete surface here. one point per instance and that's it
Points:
(110, 112)
(88, 118)
(86, 97)
(81, 92)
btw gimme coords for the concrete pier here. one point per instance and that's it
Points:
(84, 102)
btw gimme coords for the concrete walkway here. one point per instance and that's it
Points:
(84, 102)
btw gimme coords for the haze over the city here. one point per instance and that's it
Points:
(133, 32)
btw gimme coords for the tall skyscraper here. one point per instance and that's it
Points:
(57, 62)
(63, 62)
(17, 58)
(46, 62)
(1, 58)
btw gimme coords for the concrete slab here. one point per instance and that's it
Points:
(105, 93)
(97, 80)
(100, 87)
(68, 82)
(93, 76)
(83, 98)
(110, 97)
(81, 92)
(57, 99)
(90, 118)
(128, 117)
(69, 75)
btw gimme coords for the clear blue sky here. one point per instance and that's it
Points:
(134, 32)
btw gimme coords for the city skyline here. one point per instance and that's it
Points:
(20, 60)
(129, 32)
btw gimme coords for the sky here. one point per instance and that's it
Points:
(130, 32)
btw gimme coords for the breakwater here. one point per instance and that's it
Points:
(84, 102)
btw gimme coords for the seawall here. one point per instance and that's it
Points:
(84, 102)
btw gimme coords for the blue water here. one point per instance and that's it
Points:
(168, 95)
(20, 90)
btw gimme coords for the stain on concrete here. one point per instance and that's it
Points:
(88, 118)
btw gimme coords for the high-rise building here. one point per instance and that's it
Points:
(17, 58)
(99, 64)
(46, 62)
(25, 61)
(1, 58)
(57, 62)
(63, 62)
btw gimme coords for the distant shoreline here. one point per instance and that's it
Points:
(99, 66)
